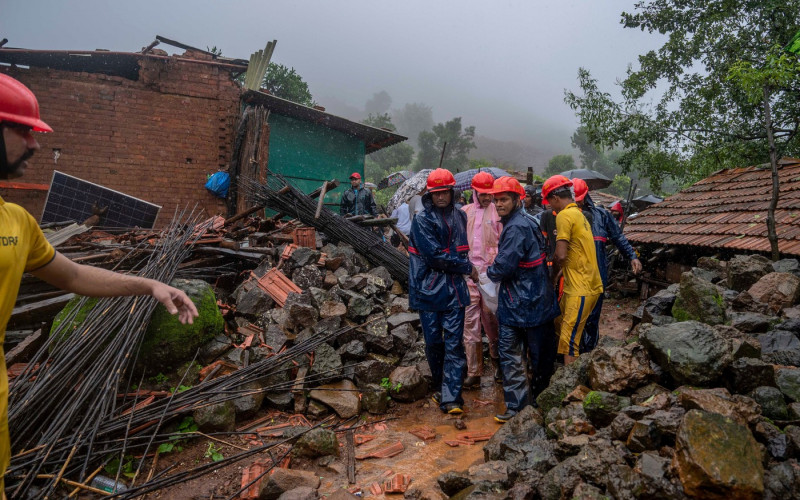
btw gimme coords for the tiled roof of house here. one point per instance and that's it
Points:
(726, 210)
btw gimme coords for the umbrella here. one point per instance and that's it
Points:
(408, 189)
(645, 201)
(595, 180)
(395, 178)
(464, 179)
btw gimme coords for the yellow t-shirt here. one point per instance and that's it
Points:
(23, 248)
(581, 274)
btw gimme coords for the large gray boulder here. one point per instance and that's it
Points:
(727, 466)
(745, 270)
(777, 290)
(522, 441)
(698, 300)
(691, 352)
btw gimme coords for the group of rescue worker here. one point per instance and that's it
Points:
(544, 268)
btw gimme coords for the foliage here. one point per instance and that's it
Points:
(704, 118)
(459, 143)
(159, 379)
(386, 384)
(180, 388)
(128, 467)
(412, 119)
(285, 83)
(480, 163)
(187, 426)
(558, 164)
(213, 452)
(387, 160)
(378, 104)
(620, 187)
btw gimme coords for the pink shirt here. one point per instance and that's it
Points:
(483, 234)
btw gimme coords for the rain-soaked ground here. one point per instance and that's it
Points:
(423, 461)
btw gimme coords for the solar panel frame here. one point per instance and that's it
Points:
(71, 198)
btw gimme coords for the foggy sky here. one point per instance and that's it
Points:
(501, 65)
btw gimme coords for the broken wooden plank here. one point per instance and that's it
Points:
(351, 456)
(30, 314)
(26, 348)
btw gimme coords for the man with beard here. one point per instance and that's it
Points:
(438, 261)
(527, 302)
(23, 247)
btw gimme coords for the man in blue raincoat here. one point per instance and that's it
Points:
(438, 253)
(527, 303)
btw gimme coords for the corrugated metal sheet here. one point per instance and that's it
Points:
(726, 210)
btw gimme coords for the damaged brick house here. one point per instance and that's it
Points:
(722, 215)
(155, 126)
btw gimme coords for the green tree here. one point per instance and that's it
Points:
(778, 73)
(285, 83)
(558, 164)
(590, 154)
(384, 161)
(680, 115)
(378, 104)
(412, 119)
(620, 187)
(459, 143)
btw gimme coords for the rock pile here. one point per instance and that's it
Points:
(382, 360)
(702, 400)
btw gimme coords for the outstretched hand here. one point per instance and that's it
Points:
(176, 302)
(636, 265)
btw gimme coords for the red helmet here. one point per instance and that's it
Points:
(581, 189)
(483, 182)
(554, 183)
(440, 179)
(508, 184)
(19, 105)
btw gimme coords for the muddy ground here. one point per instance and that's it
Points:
(423, 461)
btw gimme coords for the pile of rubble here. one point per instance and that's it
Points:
(702, 400)
(309, 291)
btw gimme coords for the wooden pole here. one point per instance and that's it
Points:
(322, 192)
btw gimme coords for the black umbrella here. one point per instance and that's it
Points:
(595, 180)
(394, 179)
(645, 201)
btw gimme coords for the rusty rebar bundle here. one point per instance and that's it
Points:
(278, 195)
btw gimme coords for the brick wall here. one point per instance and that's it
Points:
(156, 138)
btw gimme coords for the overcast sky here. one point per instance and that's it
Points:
(501, 65)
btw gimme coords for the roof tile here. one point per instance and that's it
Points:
(727, 209)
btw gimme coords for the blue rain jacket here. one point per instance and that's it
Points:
(438, 258)
(526, 296)
(605, 228)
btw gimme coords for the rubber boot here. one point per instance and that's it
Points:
(497, 373)
(474, 352)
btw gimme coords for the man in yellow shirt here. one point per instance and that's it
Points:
(23, 247)
(576, 257)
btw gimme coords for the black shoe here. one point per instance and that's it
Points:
(472, 382)
(505, 417)
(453, 409)
(437, 398)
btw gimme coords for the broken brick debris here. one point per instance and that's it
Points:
(388, 451)
(425, 433)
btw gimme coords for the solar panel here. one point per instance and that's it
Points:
(71, 198)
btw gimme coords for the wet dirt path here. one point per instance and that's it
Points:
(423, 461)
